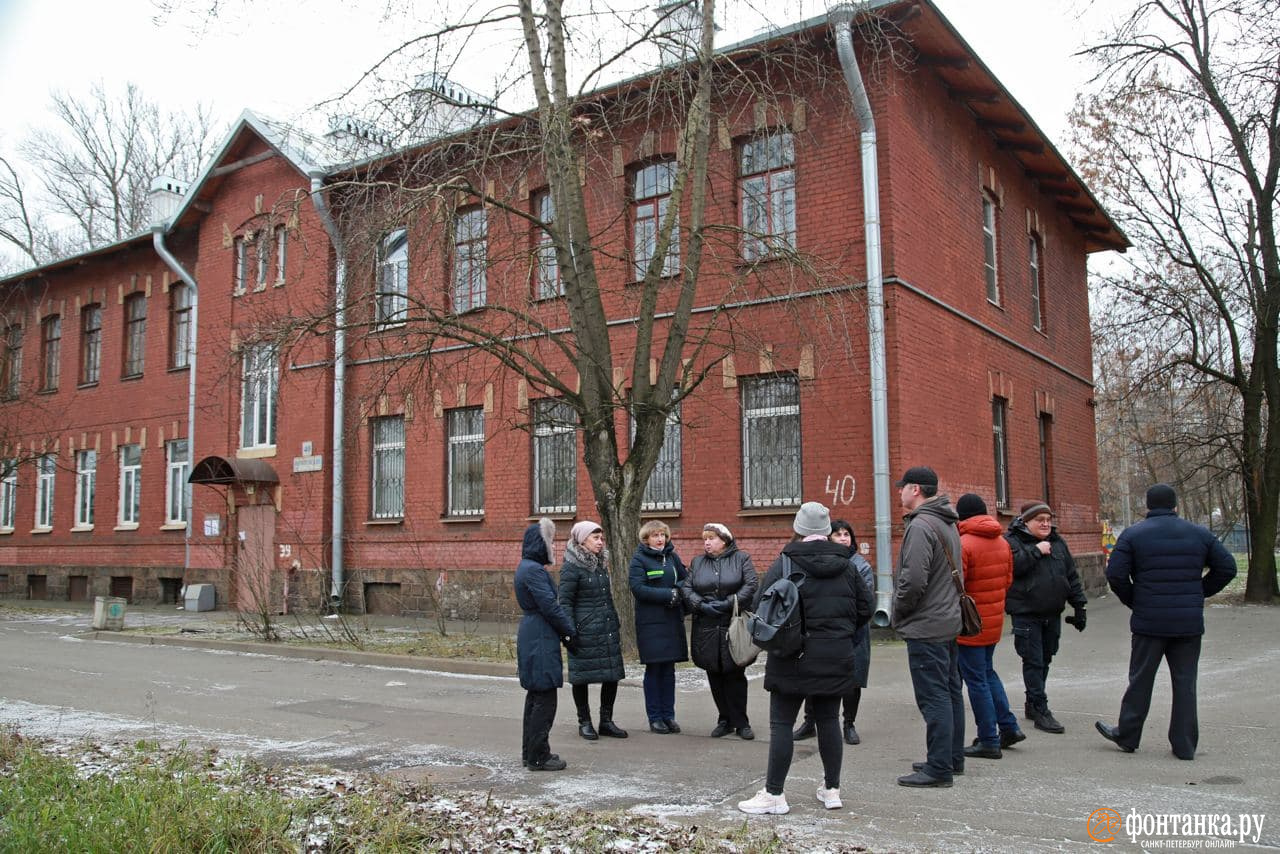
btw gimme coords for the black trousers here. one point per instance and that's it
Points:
(1183, 655)
(608, 693)
(729, 690)
(539, 714)
(851, 702)
(783, 709)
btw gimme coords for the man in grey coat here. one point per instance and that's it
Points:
(926, 614)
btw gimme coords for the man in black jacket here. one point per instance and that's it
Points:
(1045, 580)
(1158, 569)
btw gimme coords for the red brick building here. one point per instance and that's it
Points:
(445, 455)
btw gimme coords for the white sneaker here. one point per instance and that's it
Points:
(830, 798)
(765, 804)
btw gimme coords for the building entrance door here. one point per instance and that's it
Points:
(256, 542)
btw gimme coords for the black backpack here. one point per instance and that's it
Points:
(778, 626)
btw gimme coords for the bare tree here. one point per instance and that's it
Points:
(1161, 424)
(84, 181)
(622, 350)
(1181, 137)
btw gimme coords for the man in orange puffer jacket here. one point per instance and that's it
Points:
(988, 572)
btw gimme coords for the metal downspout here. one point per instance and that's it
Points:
(841, 21)
(338, 581)
(157, 240)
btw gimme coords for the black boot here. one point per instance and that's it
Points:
(805, 730)
(585, 729)
(607, 726)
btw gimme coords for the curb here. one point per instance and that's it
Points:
(448, 665)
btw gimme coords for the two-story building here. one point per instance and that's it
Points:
(336, 444)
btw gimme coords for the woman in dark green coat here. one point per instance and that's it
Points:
(587, 596)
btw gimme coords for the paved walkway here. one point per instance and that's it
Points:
(1039, 797)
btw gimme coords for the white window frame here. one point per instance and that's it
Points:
(1000, 449)
(130, 485)
(762, 479)
(177, 499)
(86, 487)
(767, 191)
(470, 259)
(262, 253)
(282, 248)
(46, 472)
(991, 248)
(553, 420)
(466, 453)
(260, 385)
(180, 327)
(239, 264)
(549, 282)
(386, 498)
(8, 495)
(1035, 272)
(650, 197)
(391, 303)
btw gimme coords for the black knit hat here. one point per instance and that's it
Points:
(920, 475)
(1161, 497)
(971, 505)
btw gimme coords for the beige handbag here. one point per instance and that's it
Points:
(741, 647)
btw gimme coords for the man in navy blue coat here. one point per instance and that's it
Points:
(1158, 569)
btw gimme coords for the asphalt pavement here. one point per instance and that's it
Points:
(457, 725)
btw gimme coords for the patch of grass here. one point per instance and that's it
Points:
(88, 798)
(155, 803)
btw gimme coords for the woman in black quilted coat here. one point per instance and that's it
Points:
(718, 577)
(587, 596)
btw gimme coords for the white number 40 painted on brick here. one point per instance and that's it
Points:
(842, 490)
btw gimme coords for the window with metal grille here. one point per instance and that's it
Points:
(989, 246)
(1036, 276)
(1000, 449)
(135, 334)
(90, 344)
(387, 467)
(46, 470)
(1046, 457)
(466, 462)
(239, 264)
(767, 180)
(548, 270)
(392, 306)
(50, 352)
(86, 486)
(8, 494)
(770, 441)
(650, 196)
(470, 259)
(11, 368)
(177, 468)
(259, 387)
(555, 457)
(130, 484)
(662, 492)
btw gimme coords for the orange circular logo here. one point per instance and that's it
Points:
(1104, 824)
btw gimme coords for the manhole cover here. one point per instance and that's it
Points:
(1223, 781)
(440, 773)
